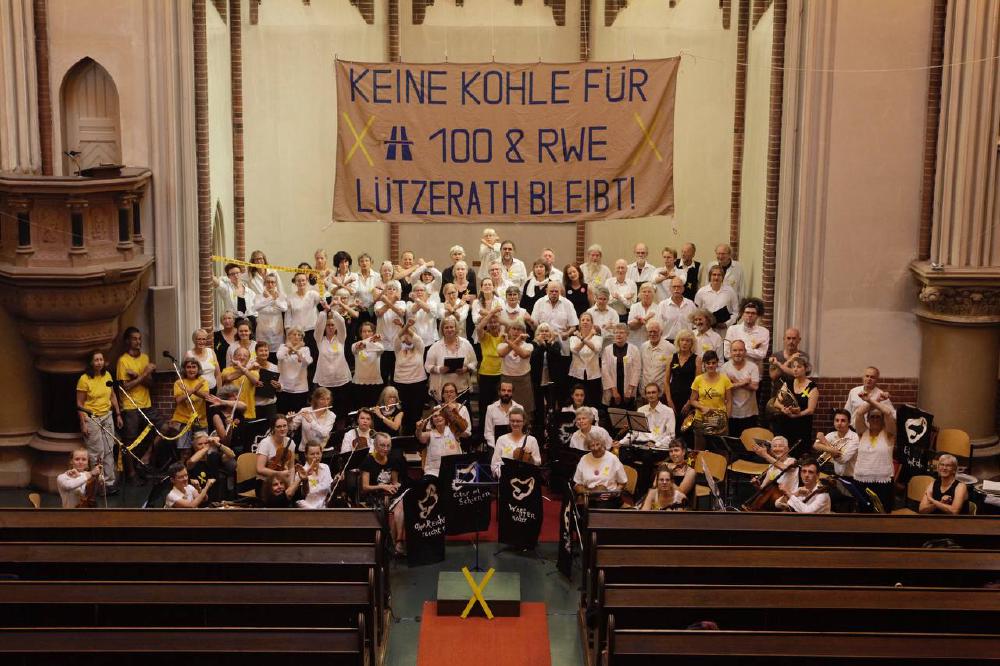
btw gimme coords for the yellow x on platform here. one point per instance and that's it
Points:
(646, 135)
(358, 139)
(477, 593)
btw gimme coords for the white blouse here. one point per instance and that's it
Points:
(352, 435)
(606, 471)
(713, 300)
(317, 429)
(425, 322)
(874, 461)
(301, 313)
(293, 369)
(331, 366)
(207, 364)
(436, 356)
(440, 445)
(513, 364)
(506, 446)
(622, 294)
(316, 488)
(271, 319)
(389, 323)
(410, 362)
(585, 363)
(605, 322)
(367, 355)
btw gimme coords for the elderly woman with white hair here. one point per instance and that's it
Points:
(705, 337)
(594, 272)
(947, 494)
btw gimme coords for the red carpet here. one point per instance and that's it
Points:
(502, 641)
(550, 525)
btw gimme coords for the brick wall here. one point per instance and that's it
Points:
(773, 157)
(833, 394)
(931, 127)
(161, 393)
(739, 124)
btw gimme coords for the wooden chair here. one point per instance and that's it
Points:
(35, 499)
(246, 472)
(954, 441)
(749, 467)
(973, 508)
(717, 468)
(633, 477)
(915, 490)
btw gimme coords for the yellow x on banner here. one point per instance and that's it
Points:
(477, 593)
(646, 135)
(358, 139)
(272, 267)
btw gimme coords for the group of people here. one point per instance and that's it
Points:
(344, 354)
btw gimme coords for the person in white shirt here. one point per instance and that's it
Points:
(622, 290)
(367, 373)
(549, 257)
(315, 422)
(719, 299)
(705, 337)
(410, 376)
(689, 270)
(316, 478)
(390, 313)
(255, 276)
(513, 269)
(656, 353)
(498, 413)
(745, 378)
(809, 497)
(778, 460)
(235, 294)
(449, 398)
(489, 251)
(664, 275)
(423, 314)
(332, 370)
(450, 346)
(367, 281)
(183, 495)
(674, 311)
(859, 395)
(594, 272)
(641, 313)
(72, 483)
(585, 353)
(515, 444)
(436, 432)
(361, 436)
(271, 307)
(640, 271)
(756, 338)
(244, 340)
(342, 277)
(294, 358)
(586, 426)
(659, 417)
(512, 311)
(556, 311)
(605, 319)
(453, 307)
(301, 312)
(621, 368)
(873, 466)
(498, 275)
(427, 275)
(841, 444)
(734, 271)
(487, 301)
(599, 474)
(515, 365)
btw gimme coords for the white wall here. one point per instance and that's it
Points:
(220, 133)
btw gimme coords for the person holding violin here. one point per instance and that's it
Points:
(379, 482)
(274, 455)
(664, 495)
(515, 445)
(600, 475)
(360, 437)
(778, 462)
(79, 487)
(946, 495)
(449, 399)
(811, 496)
(183, 495)
(437, 431)
(316, 476)
(681, 471)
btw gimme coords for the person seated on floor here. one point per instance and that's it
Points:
(515, 445)
(74, 484)
(664, 495)
(183, 495)
(811, 496)
(317, 476)
(947, 494)
(600, 475)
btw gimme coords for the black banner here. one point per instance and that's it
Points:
(913, 440)
(519, 511)
(466, 507)
(564, 558)
(424, 520)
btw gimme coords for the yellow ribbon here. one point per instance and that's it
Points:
(273, 267)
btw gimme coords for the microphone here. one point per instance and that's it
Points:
(85, 411)
(167, 354)
(110, 382)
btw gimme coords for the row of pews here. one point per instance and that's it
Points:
(781, 588)
(99, 586)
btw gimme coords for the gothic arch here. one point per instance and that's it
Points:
(91, 122)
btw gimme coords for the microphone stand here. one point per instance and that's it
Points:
(127, 448)
(94, 421)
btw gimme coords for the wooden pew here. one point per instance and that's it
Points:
(798, 608)
(163, 645)
(644, 646)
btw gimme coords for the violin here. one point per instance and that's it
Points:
(89, 499)
(521, 453)
(281, 458)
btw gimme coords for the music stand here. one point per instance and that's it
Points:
(713, 488)
(482, 471)
(632, 421)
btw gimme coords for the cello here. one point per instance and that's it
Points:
(768, 492)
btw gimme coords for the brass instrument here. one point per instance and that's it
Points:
(785, 397)
(688, 421)
(826, 456)
(712, 423)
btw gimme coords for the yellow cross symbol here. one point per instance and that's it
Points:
(646, 134)
(477, 593)
(358, 139)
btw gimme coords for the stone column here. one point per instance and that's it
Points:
(959, 307)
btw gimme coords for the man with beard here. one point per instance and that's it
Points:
(498, 413)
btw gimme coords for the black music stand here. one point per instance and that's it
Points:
(484, 471)
(633, 422)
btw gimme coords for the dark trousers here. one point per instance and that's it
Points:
(412, 397)
(489, 389)
(737, 426)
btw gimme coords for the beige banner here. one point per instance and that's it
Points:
(505, 143)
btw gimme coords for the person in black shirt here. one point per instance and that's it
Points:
(210, 460)
(282, 494)
(380, 477)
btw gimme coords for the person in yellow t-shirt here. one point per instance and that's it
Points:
(191, 390)
(244, 374)
(711, 397)
(134, 373)
(95, 402)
